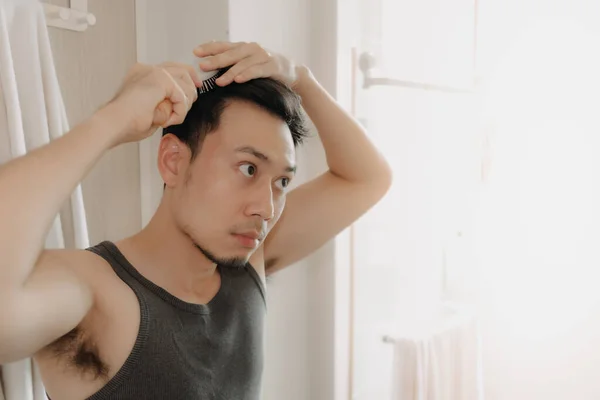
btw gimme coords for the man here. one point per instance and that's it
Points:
(176, 311)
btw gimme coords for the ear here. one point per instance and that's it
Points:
(173, 157)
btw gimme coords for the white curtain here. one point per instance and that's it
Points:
(32, 113)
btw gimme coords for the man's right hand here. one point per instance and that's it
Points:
(45, 293)
(153, 96)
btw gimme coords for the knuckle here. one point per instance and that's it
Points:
(223, 60)
(173, 69)
(164, 65)
(180, 71)
(158, 73)
(137, 69)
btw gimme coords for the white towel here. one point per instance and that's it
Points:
(442, 365)
(31, 114)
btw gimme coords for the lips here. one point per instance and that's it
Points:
(248, 239)
(251, 235)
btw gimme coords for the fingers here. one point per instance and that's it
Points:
(233, 55)
(162, 113)
(225, 59)
(254, 72)
(181, 93)
(213, 48)
(185, 82)
(179, 101)
(241, 66)
(188, 68)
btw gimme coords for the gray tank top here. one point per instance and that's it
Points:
(186, 351)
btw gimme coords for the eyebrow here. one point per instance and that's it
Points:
(262, 156)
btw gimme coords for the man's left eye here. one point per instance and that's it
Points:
(282, 183)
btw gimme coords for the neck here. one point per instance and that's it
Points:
(168, 257)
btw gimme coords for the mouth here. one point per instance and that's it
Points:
(250, 239)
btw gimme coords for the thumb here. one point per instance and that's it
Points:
(162, 113)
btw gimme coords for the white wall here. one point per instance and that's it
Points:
(90, 66)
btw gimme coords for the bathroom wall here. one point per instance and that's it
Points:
(90, 66)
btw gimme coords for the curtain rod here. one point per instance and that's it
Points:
(366, 64)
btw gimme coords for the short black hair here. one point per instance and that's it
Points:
(271, 95)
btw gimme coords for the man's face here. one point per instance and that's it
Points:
(234, 191)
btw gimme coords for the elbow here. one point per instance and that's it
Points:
(388, 176)
(7, 337)
(378, 182)
(385, 179)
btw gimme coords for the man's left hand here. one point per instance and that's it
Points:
(247, 60)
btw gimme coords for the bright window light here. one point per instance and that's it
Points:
(540, 230)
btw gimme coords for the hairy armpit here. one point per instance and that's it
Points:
(79, 352)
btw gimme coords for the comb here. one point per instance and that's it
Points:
(209, 78)
(210, 84)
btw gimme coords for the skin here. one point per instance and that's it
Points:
(235, 187)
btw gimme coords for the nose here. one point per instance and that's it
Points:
(262, 203)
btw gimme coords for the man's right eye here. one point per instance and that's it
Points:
(248, 169)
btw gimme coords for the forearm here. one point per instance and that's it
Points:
(35, 186)
(350, 153)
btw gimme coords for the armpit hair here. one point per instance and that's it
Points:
(80, 353)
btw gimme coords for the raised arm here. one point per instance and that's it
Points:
(358, 177)
(41, 298)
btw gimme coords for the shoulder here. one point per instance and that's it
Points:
(92, 270)
(87, 266)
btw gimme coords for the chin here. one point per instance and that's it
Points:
(242, 255)
(233, 260)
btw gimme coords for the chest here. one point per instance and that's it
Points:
(149, 342)
(226, 339)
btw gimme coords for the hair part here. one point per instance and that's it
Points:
(271, 95)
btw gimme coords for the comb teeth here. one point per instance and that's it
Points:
(210, 83)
